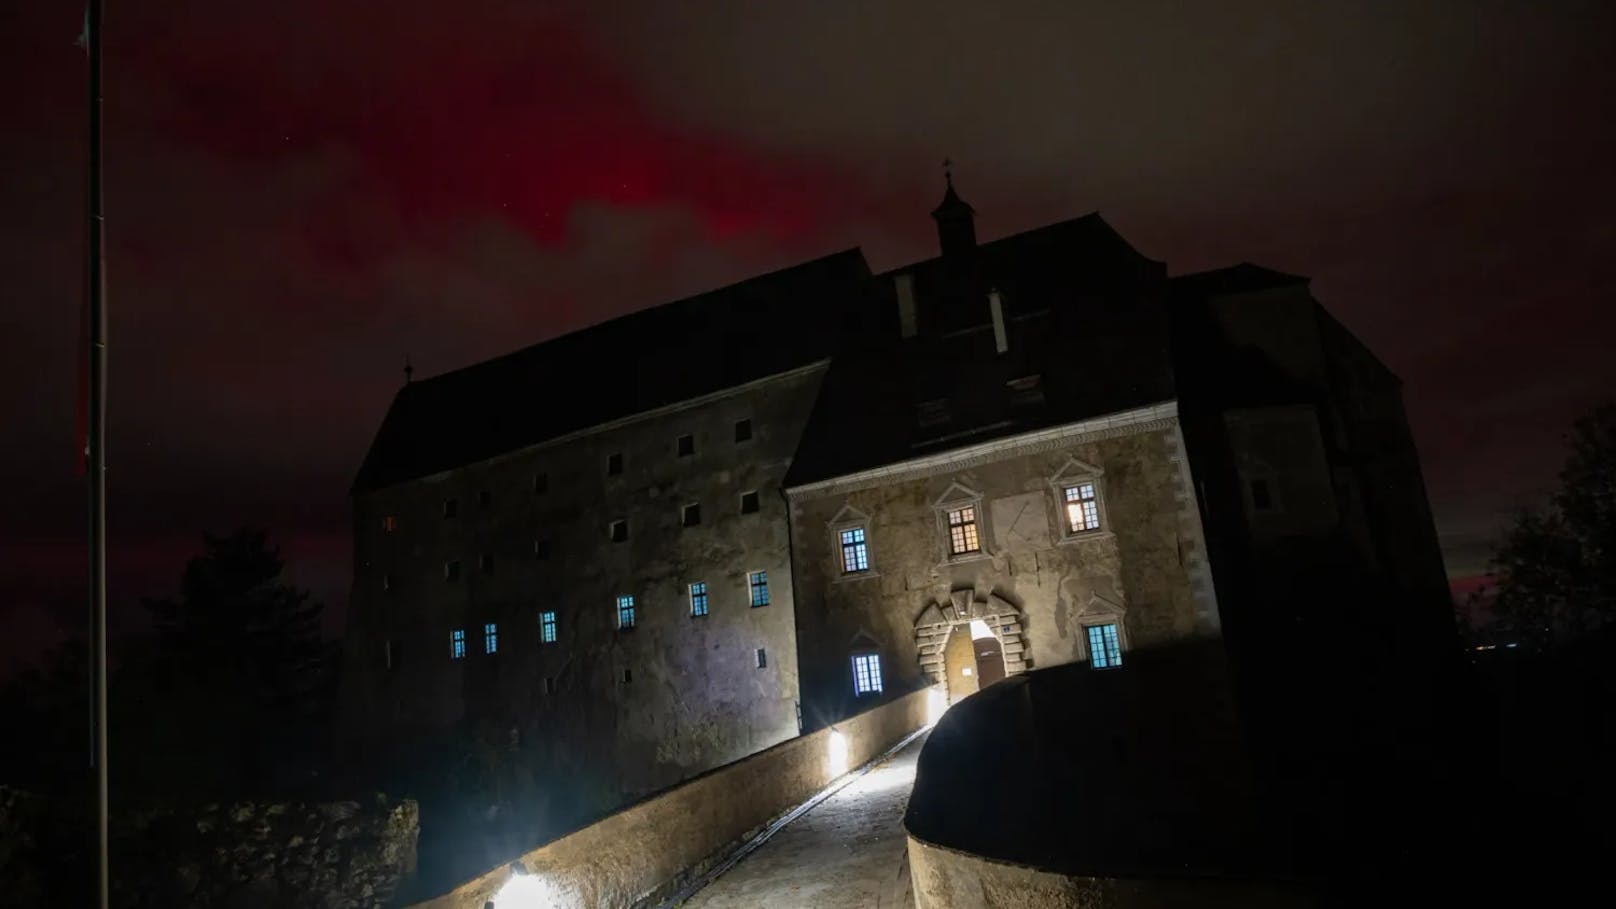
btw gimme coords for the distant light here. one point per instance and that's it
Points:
(1513, 645)
(965, 670)
(525, 891)
(838, 754)
(980, 630)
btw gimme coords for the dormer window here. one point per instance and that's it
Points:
(1079, 500)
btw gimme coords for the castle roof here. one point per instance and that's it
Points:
(762, 326)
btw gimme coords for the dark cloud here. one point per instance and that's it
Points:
(301, 193)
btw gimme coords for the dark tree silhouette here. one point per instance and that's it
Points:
(1556, 568)
(237, 694)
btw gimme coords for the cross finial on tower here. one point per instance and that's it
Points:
(409, 371)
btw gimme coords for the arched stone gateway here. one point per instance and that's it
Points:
(934, 624)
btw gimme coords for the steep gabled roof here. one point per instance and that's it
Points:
(1085, 312)
(1234, 279)
(659, 356)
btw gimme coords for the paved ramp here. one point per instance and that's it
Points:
(848, 851)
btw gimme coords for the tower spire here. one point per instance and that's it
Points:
(956, 220)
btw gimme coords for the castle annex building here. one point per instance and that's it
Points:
(776, 504)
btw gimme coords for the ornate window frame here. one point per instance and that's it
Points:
(1101, 611)
(1076, 473)
(955, 497)
(850, 518)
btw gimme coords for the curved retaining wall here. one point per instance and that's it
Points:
(944, 878)
(648, 850)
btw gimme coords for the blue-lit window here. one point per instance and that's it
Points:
(625, 611)
(866, 673)
(490, 638)
(1105, 650)
(855, 557)
(758, 583)
(698, 598)
(457, 644)
(547, 627)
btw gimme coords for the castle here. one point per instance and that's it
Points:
(660, 544)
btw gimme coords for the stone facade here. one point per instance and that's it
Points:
(1034, 584)
(632, 709)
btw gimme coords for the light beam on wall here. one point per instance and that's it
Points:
(837, 752)
(980, 630)
(936, 704)
(525, 891)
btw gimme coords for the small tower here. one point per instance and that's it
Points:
(956, 221)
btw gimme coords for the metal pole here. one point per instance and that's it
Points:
(96, 471)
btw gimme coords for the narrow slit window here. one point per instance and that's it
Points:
(685, 446)
(451, 570)
(541, 483)
(614, 464)
(690, 515)
(762, 658)
(451, 507)
(619, 531)
(743, 430)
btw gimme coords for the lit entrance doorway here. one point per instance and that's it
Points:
(973, 659)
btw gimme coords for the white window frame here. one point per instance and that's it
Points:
(549, 630)
(1072, 474)
(956, 498)
(751, 596)
(626, 599)
(875, 679)
(706, 599)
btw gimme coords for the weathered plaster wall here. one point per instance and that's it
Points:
(646, 851)
(1034, 584)
(694, 696)
(949, 879)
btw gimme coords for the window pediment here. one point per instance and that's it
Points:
(1074, 469)
(848, 515)
(956, 494)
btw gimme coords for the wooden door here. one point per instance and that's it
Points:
(989, 661)
(959, 659)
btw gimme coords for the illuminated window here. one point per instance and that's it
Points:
(698, 598)
(389, 524)
(762, 659)
(614, 464)
(743, 430)
(685, 446)
(855, 557)
(866, 673)
(962, 537)
(451, 507)
(690, 516)
(625, 611)
(457, 644)
(547, 627)
(619, 531)
(451, 570)
(1082, 508)
(758, 583)
(749, 502)
(490, 638)
(1105, 650)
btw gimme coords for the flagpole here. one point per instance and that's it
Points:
(96, 430)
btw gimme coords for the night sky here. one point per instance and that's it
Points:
(300, 192)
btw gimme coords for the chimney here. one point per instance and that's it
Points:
(1001, 341)
(905, 285)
